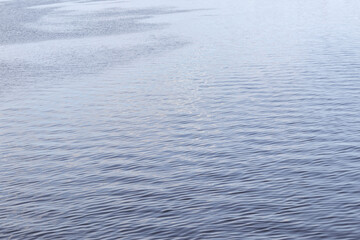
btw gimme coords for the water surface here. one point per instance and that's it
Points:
(179, 119)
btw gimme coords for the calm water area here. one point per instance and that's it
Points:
(183, 119)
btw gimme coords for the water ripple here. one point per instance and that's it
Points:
(136, 120)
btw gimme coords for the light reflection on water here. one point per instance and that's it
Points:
(205, 120)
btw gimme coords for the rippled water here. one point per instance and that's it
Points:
(180, 119)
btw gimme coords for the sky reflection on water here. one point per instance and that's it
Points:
(182, 120)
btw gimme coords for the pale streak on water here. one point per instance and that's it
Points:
(180, 119)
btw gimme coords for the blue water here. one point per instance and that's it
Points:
(180, 119)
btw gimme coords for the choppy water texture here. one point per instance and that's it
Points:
(180, 119)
